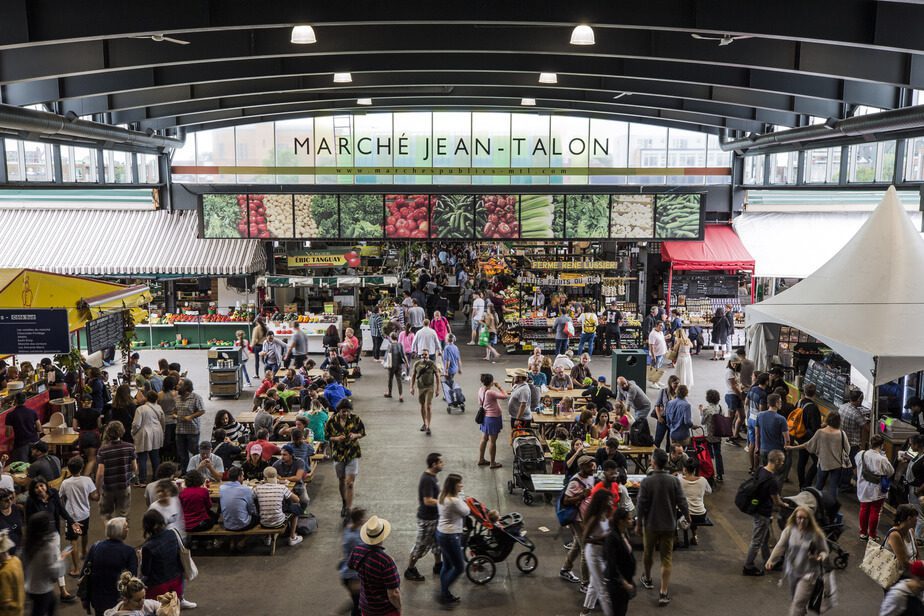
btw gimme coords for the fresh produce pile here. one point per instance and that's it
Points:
(632, 216)
(496, 216)
(537, 216)
(305, 225)
(452, 217)
(406, 216)
(587, 216)
(222, 216)
(677, 216)
(360, 216)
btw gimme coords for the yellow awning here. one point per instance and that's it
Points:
(83, 298)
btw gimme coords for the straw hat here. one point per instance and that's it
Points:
(375, 530)
(15, 386)
(6, 544)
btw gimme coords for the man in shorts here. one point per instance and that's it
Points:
(428, 490)
(343, 431)
(424, 379)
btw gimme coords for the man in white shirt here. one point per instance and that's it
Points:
(563, 361)
(206, 462)
(426, 339)
(657, 346)
(477, 315)
(416, 316)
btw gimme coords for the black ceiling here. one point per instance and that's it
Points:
(806, 57)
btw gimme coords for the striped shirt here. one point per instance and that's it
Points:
(269, 499)
(377, 575)
(117, 460)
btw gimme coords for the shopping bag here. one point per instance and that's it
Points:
(671, 356)
(569, 329)
(880, 564)
(654, 374)
(190, 571)
(721, 426)
(484, 337)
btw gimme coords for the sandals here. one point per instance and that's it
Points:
(483, 462)
(496, 465)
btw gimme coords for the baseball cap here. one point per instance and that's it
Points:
(257, 449)
(585, 460)
(601, 378)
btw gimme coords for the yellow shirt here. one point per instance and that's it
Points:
(12, 588)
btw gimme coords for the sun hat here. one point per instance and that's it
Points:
(15, 386)
(375, 530)
(7, 545)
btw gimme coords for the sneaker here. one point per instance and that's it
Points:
(187, 605)
(663, 599)
(412, 574)
(296, 540)
(569, 545)
(423, 427)
(428, 431)
(268, 540)
(583, 588)
(566, 575)
(752, 572)
(864, 538)
(437, 567)
(470, 343)
(646, 582)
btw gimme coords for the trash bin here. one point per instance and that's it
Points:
(631, 364)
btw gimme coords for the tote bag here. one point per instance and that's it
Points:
(881, 564)
(190, 571)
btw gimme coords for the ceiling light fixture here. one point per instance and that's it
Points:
(548, 78)
(343, 78)
(582, 35)
(528, 102)
(303, 35)
(363, 101)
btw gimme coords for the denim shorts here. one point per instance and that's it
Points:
(752, 430)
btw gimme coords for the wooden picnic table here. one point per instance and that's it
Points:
(247, 417)
(546, 424)
(568, 393)
(58, 443)
(214, 486)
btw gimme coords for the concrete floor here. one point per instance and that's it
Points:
(303, 579)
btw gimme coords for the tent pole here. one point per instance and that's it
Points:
(670, 283)
(874, 407)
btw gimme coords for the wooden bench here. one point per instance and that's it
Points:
(686, 533)
(257, 531)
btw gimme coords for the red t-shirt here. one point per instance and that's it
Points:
(196, 504)
(269, 449)
(614, 488)
(265, 386)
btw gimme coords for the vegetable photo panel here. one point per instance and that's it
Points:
(452, 217)
(540, 215)
(224, 216)
(587, 216)
(277, 214)
(496, 217)
(407, 216)
(632, 217)
(678, 216)
(361, 216)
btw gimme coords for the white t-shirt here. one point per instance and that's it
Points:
(75, 493)
(6, 481)
(564, 362)
(478, 309)
(172, 512)
(452, 515)
(730, 375)
(656, 343)
(695, 491)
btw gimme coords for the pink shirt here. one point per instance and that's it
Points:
(441, 327)
(489, 400)
(406, 340)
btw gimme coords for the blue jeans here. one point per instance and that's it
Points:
(587, 339)
(453, 561)
(827, 482)
(561, 346)
(661, 431)
(143, 457)
(244, 371)
(716, 450)
(256, 360)
(186, 446)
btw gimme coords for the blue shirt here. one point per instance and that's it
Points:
(350, 540)
(539, 379)
(237, 505)
(451, 359)
(772, 425)
(303, 452)
(335, 392)
(679, 419)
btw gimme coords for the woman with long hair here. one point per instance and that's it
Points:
(331, 339)
(148, 433)
(452, 512)
(350, 539)
(805, 548)
(490, 323)
(241, 342)
(830, 444)
(620, 562)
(601, 426)
(667, 394)
(720, 334)
(123, 409)
(44, 500)
(44, 563)
(596, 528)
(234, 430)
(257, 336)
(683, 365)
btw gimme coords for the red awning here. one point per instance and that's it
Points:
(720, 250)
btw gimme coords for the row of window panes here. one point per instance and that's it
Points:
(866, 163)
(30, 161)
(270, 144)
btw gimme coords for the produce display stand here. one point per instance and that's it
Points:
(197, 334)
(314, 328)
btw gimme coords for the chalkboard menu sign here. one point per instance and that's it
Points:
(704, 285)
(831, 383)
(34, 331)
(105, 332)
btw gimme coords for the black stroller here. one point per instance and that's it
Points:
(486, 542)
(828, 516)
(528, 458)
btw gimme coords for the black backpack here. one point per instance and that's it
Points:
(746, 498)
(640, 433)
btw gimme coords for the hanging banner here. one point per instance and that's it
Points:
(324, 258)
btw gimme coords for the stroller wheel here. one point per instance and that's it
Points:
(840, 562)
(528, 497)
(527, 562)
(480, 570)
(509, 486)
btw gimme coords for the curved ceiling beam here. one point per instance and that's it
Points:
(847, 22)
(246, 115)
(134, 106)
(575, 96)
(99, 57)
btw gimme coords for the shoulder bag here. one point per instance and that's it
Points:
(83, 584)
(881, 564)
(190, 571)
(480, 415)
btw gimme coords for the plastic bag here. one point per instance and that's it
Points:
(484, 337)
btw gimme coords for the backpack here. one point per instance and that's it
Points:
(425, 374)
(746, 497)
(590, 323)
(914, 472)
(796, 422)
(566, 514)
(640, 433)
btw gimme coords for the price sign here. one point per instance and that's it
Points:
(40, 331)
(105, 332)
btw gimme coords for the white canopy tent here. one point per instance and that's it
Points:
(866, 303)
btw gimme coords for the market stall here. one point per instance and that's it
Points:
(711, 274)
(865, 303)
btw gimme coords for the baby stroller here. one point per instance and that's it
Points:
(488, 539)
(453, 395)
(827, 515)
(528, 458)
(699, 449)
